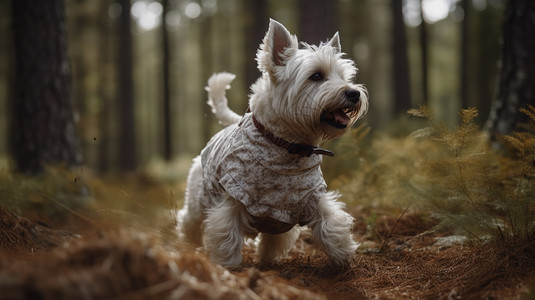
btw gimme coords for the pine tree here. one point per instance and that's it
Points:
(43, 129)
(516, 82)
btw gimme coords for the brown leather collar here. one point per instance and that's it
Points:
(300, 149)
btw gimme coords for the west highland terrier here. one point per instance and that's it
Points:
(261, 176)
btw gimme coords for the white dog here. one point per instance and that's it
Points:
(261, 174)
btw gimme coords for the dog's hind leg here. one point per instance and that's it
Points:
(191, 216)
(331, 229)
(224, 230)
(276, 246)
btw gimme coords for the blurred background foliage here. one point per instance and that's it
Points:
(442, 53)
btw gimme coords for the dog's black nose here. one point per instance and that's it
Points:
(353, 95)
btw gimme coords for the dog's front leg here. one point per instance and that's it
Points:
(224, 231)
(332, 230)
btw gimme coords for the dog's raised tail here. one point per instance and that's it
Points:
(217, 85)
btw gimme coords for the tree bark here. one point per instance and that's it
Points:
(516, 77)
(463, 67)
(402, 96)
(424, 60)
(207, 71)
(107, 70)
(256, 24)
(43, 130)
(317, 20)
(127, 141)
(166, 63)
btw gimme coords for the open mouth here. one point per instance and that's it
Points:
(338, 118)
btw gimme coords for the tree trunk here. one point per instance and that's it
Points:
(317, 20)
(127, 141)
(207, 71)
(463, 68)
(43, 123)
(402, 97)
(424, 58)
(256, 24)
(516, 78)
(167, 153)
(108, 73)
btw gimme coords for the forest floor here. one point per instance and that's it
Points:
(97, 254)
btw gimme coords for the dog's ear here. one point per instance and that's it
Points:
(275, 43)
(279, 38)
(335, 42)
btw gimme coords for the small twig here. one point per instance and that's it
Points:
(389, 234)
(131, 198)
(68, 208)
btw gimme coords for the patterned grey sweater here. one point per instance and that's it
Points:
(268, 180)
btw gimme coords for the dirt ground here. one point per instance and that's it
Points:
(401, 256)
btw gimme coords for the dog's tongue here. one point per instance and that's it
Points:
(341, 117)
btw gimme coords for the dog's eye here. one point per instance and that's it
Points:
(316, 77)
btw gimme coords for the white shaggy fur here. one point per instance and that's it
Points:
(276, 246)
(305, 95)
(330, 229)
(218, 101)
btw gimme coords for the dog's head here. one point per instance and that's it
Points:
(307, 93)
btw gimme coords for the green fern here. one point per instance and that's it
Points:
(521, 179)
(475, 189)
(452, 172)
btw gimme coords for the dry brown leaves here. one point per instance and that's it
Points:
(128, 264)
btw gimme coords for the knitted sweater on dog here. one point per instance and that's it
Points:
(268, 180)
